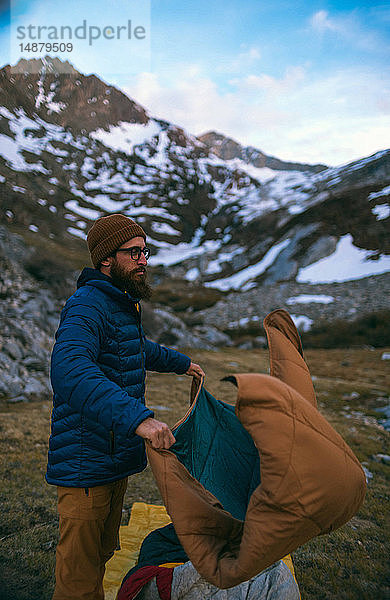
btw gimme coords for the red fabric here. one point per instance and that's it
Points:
(164, 582)
(132, 586)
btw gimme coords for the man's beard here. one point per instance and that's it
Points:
(135, 284)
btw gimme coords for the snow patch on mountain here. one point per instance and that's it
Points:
(125, 136)
(192, 274)
(381, 211)
(11, 148)
(155, 154)
(171, 254)
(34, 136)
(155, 211)
(358, 164)
(47, 99)
(245, 276)
(77, 233)
(302, 322)
(159, 227)
(384, 192)
(109, 205)
(346, 263)
(310, 298)
(82, 211)
(216, 265)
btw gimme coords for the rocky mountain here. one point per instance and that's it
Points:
(228, 149)
(226, 223)
(54, 91)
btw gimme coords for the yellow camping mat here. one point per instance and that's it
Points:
(144, 518)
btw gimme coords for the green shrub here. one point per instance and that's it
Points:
(372, 329)
(180, 296)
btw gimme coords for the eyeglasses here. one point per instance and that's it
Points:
(135, 252)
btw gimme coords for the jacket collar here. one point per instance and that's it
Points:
(94, 278)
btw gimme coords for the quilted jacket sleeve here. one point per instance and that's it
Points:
(77, 379)
(165, 360)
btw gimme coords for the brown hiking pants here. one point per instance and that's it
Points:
(89, 526)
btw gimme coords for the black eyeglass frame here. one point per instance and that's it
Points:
(135, 252)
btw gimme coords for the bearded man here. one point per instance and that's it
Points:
(99, 418)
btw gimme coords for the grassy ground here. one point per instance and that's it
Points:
(350, 564)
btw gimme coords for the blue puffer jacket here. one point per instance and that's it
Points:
(98, 378)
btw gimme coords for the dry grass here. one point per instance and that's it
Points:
(350, 564)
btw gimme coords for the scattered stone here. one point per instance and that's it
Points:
(367, 473)
(260, 342)
(34, 363)
(12, 385)
(246, 345)
(170, 330)
(385, 410)
(13, 350)
(351, 396)
(34, 389)
(32, 309)
(3, 388)
(5, 361)
(48, 545)
(20, 398)
(384, 458)
(213, 336)
(52, 322)
(20, 333)
(385, 423)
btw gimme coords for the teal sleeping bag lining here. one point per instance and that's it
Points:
(216, 449)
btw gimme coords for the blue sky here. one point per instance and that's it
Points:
(305, 81)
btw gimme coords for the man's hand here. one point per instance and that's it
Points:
(195, 370)
(156, 432)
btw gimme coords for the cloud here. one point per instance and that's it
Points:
(332, 119)
(247, 57)
(321, 22)
(243, 61)
(349, 29)
(271, 85)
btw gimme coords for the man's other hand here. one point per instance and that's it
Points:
(195, 370)
(156, 432)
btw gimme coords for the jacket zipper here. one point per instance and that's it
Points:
(137, 309)
(140, 337)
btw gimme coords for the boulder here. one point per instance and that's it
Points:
(35, 363)
(13, 385)
(13, 349)
(35, 390)
(16, 399)
(212, 335)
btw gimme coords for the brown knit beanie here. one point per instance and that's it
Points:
(109, 233)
